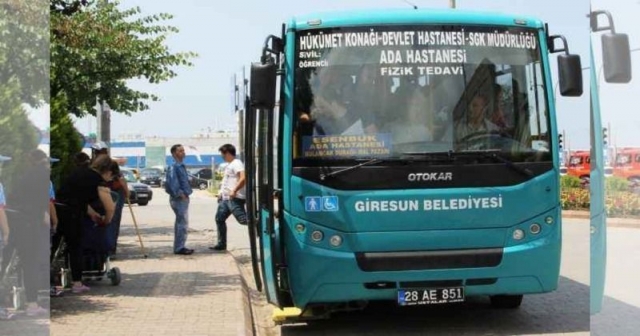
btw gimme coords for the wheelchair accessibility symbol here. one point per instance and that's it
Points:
(330, 203)
(318, 204)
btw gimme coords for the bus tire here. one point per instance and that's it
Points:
(506, 301)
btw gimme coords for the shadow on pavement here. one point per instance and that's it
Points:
(167, 284)
(616, 318)
(563, 311)
(72, 304)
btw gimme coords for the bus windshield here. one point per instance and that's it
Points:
(386, 91)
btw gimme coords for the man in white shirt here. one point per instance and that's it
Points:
(231, 197)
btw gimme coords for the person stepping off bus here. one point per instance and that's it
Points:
(231, 197)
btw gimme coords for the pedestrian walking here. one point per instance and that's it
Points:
(178, 187)
(232, 195)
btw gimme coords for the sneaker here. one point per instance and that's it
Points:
(80, 289)
(219, 247)
(5, 314)
(56, 291)
(35, 311)
(184, 251)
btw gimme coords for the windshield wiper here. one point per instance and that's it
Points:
(493, 154)
(336, 172)
(430, 156)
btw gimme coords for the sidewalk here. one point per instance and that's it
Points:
(611, 222)
(165, 294)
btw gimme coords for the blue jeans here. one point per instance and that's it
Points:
(181, 209)
(226, 208)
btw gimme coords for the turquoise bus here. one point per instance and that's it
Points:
(407, 156)
(616, 66)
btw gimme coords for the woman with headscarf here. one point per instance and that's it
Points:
(83, 187)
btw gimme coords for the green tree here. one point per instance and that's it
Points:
(17, 134)
(96, 48)
(24, 49)
(65, 139)
(23, 78)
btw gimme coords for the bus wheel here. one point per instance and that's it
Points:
(506, 301)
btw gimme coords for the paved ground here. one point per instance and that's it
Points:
(621, 308)
(164, 294)
(633, 223)
(564, 312)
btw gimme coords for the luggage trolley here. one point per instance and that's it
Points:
(95, 255)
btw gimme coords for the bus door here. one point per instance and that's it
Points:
(260, 141)
(616, 63)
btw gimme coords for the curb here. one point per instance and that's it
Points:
(633, 223)
(247, 326)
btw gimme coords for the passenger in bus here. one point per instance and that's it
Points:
(498, 115)
(336, 112)
(410, 124)
(475, 121)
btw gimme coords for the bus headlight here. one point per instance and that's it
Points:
(300, 228)
(549, 220)
(535, 228)
(518, 234)
(335, 241)
(317, 236)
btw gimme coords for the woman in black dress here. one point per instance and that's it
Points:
(82, 187)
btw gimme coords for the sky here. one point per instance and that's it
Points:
(229, 35)
(618, 107)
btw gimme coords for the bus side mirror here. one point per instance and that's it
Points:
(570, 75)
(263, 85)
(616, 58)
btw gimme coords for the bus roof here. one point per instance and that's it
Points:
(410, 16)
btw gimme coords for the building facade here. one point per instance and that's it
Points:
(202, 151)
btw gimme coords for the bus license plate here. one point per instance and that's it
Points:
(414, 297)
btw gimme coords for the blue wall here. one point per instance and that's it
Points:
(189, 160)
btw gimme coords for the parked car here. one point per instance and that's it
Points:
(197, 182)
(151, 177)
(203, 173)
(139, 193)
(135, 171)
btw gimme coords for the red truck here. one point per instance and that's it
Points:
(579, 164)
(627, 164)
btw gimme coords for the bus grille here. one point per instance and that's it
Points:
(428, 260)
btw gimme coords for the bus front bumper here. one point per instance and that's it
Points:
(321, 275)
